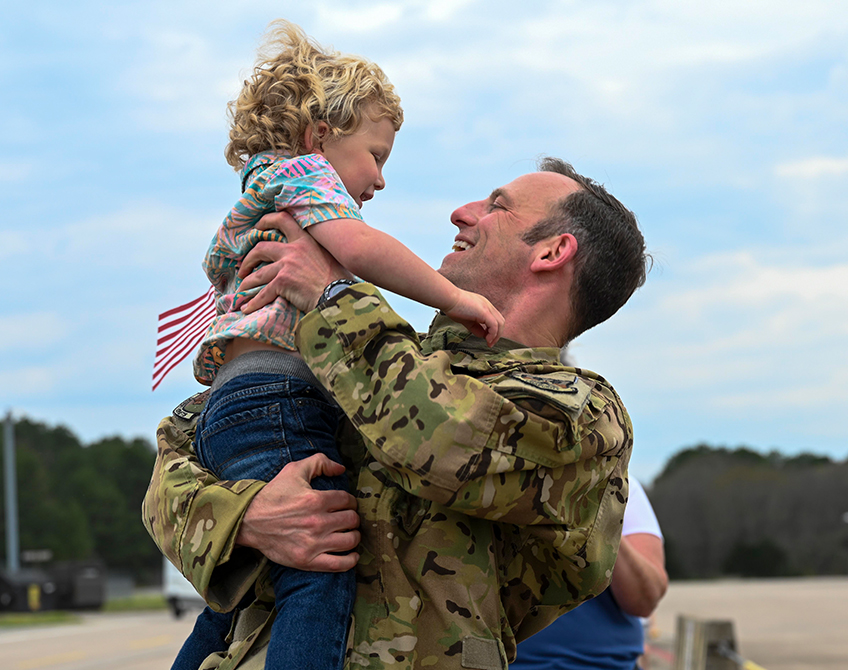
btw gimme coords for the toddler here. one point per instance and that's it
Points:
(311, 131)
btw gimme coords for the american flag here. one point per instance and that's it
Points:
(181, 330)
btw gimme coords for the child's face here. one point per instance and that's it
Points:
(359, 158)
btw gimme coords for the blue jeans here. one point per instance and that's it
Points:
(252, 426)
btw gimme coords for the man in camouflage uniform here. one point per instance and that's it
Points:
(490, 483)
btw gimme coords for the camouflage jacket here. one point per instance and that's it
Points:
(491, 487)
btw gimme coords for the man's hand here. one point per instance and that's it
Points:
(299, 527)
(297, 270)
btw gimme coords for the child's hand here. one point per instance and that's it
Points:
(477, 314)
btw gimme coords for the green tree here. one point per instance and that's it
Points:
(734, 510)
(757, 559)
(83, 502)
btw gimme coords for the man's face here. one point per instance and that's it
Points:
(489, 256)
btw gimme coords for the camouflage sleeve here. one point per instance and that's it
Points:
(458, 441)
(194, 520)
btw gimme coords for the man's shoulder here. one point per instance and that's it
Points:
(537, 374)
(571, 402)
(561, 388)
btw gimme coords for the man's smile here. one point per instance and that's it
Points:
(461, 245)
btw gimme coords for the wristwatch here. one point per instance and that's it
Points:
(333, 289)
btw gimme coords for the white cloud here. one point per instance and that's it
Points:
(813, 168)
(792, 396)
(362, 18)
(731, 349)
(732, 326)
(444, 10)
(184, 82)
(369, 17)
(740, 280)
(644, 82)
(640, 80)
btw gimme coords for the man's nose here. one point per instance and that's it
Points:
(467, 215)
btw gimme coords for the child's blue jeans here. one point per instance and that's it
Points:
(252, 426)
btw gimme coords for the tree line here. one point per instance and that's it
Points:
(83, 501)
(722, 511)
(738, 512)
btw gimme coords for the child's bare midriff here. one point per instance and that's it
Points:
(241, 345)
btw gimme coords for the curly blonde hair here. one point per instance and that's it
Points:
(296, 84)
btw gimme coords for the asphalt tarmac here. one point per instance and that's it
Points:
(132, 641)
(780, 624)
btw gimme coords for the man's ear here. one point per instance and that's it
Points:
(554, 253)
(314, 136)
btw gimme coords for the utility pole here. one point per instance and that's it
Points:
(12, 559)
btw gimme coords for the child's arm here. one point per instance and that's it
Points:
(382, 260)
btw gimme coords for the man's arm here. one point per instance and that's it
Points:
(480, 448)
(544, 454)
(193, 517)
(639, 580)
(207, 527)
(297, 270)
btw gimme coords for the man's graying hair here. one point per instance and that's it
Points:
(611, 262)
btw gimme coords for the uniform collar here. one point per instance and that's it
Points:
(447, 335)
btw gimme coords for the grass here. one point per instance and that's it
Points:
(136, 603)
(20, 619)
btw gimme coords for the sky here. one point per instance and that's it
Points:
(722, 125)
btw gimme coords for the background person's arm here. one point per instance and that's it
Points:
(639, 580)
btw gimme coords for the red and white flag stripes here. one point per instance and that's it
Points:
(181, 330)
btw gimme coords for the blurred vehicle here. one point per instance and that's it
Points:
(67, 585)
(79, 584)
(27, 590)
